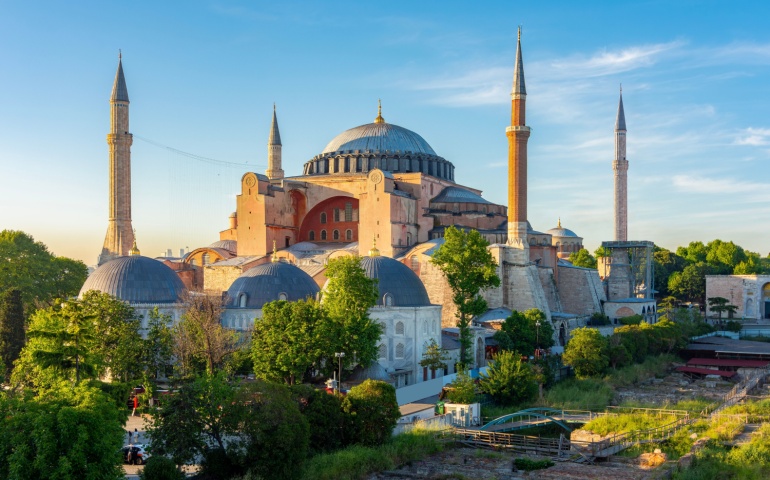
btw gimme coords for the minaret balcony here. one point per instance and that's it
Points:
(518, 128)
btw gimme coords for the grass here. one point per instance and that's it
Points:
(628, 422)
(653, 366)
(356, 462)
(750, 461)
(586, 394)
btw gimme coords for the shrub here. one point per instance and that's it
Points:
(462, 389)
(528, 465)
(509, 380)
(372, 412)
(598, 319)
(324, 415)
(631, 320)
(159, 467)
(586, 352)
(733, 326)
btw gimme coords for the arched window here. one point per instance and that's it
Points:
(400, 350)
(336, 214)
(433, 326)
(206, 259)
(323, 217)
(311, 236)
(349, 235)
(323, 234)
(283, 296)
(415, 262)
(382, 351)
(387, 300)
(242, 298)
(336, 234)
(399, 328)
(348, 211)
(425, 327)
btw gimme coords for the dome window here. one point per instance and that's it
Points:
(336, 234)
(323, 234)
(382, 351)
(400, 350)
(387, 300)
(283, 296)
(242, 299)
(415, 263)
(206, 260)
(399, 328)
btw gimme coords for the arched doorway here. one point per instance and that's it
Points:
(766, 300)
(562, 335)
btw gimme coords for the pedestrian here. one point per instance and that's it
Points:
(130, 433)
(130, 455)
(136, 436)
(136, 405)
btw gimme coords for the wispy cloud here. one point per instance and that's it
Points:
(755, 137)
(609, 62)
(751, 191)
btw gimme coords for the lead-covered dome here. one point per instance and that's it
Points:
(399, 286)
(379, 137)
(379, 145)
(137, 280)
(269, 282)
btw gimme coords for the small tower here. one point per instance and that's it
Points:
(274, 169)
(518, 136)
(120, 235)
(620, 167)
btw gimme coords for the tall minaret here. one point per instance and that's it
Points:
(274, 170)
(120, 235)
(620, 167)
(518, 135)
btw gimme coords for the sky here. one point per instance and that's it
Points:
(203, 76)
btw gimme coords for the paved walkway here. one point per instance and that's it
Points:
(138, 423)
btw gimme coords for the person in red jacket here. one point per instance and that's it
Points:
(136, 405)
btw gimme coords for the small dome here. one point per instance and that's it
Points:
(561, 232)
(269, 282)
(379, 137)
(395, 281)
(303, 247)
(136, 280)
(229, 245)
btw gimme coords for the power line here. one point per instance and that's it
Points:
(199, 158)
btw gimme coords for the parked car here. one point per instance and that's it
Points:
(140, 454)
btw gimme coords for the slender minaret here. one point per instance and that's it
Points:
(274, 170)
(120, 235)
(620, 167)
(518, 135)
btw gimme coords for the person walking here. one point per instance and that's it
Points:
(130, 434)
(136, 405)
(136, 436)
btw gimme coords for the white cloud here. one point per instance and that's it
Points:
(608, 62)
(755, 137)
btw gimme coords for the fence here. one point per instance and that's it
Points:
(437, 423)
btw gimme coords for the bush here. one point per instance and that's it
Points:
(733, 326)
(462, 389)
(598, 320)
(509, 380)
(160, 468)
(324, 415)
(586, 352)
(372, 412)
(631, 320)
(528, 465)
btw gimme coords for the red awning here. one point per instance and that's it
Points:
(724, 362)
(706, 371)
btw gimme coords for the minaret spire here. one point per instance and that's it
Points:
(120, 234)
(379, 118)
(274, 168)
(620, 168)
(518, 136)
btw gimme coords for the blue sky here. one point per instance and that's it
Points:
(203, 76)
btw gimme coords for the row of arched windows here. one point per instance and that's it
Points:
(383, 351)
(335, 235)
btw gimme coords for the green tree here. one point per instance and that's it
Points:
(469, 268)
(602, 252)
(324, 415)
(62, 338)
(372, 412)
(290, 339)
(724, 256)
(721, 305)
(64, 433)
(39, 275)
(586, 352)
(200, 338)
(582, 258)
(347, 298)
(690, 283)
(160, 468)
(11, 330)
(509, 380)
(665, 263)
(751, 266)
(158, 347)
(695, 252)
(523, 332)
(434, 357)
(617, 352)
(462, 389)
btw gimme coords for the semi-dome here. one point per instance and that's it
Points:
(229, 245)
(137, 280)
(379, 137)
(399, 286)
(269, 282)
(379, 145)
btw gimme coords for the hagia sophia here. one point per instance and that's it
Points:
(380, 191)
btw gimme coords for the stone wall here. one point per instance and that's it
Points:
(744, 291)
(548, 282)
(580, 290)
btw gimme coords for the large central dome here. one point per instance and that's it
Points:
(379, 145)
(379, 137)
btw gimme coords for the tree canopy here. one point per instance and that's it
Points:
(200, 340)
(582, 258)
(521, 333)
(509, 380)
(469, 268)
(11, 330)
(586, 352)
(40, 276)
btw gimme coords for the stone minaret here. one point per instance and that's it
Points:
(620, 167)
(518, 135)
(274, 170)
(120, 235)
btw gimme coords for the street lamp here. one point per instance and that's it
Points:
(537, 325)
(340, 356)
